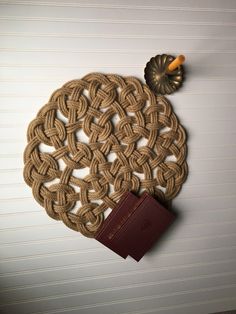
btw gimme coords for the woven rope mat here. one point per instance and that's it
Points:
(119, 117)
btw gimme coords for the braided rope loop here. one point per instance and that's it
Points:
(119, 117)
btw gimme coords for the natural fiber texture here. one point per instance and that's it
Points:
(121, 117)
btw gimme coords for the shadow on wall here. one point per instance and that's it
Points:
(166, 236)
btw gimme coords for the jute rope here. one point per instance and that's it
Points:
(114, 113)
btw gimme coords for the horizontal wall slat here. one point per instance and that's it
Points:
(135, 275)
(49, 27)
(48, 88)
(187, 5)
(133, 62)
(175, 244)
(117, 43)
(194, 204)
(29, 270)
(51, 231)
(114, 14)
(120, 297)
(107, 270)
(133, 290)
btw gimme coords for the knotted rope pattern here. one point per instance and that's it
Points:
(119, 116)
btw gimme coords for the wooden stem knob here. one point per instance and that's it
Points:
(176, 63)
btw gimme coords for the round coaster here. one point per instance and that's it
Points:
(96, 138)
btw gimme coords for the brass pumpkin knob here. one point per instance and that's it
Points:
(158, 76)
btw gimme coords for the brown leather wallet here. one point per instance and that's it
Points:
(134, 225)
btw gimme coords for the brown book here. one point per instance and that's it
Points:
(114, 222)
(134, 225)
(144, 227)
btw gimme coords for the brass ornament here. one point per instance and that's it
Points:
(159, 79)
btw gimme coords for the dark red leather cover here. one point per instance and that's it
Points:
(114, 222)
(144, 227)
(134, 225)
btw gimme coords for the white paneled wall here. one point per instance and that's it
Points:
(47, 268)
